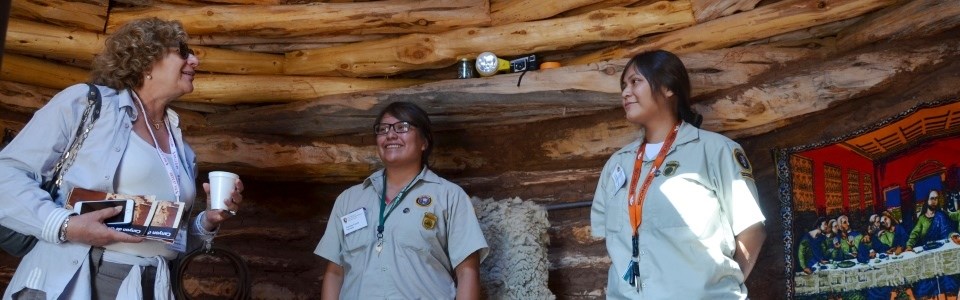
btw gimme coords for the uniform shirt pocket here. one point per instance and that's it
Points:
(615, 206)
(355, 243)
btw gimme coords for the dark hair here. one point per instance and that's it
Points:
(416, 116)
(132, 49)
(664, 69)
(926, 201)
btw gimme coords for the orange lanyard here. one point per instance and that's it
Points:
(636, 199)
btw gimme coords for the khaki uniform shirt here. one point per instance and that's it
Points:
(704, 197)
(431, 231)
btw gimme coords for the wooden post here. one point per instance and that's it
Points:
(5, 13)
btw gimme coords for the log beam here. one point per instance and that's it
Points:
(763, 22)
(706, 10)
(235, 89)
(89, 15)
(24, 98)
(378, 17)
(432, 51)
(220, 89)
(912, 19)
(516, 11)
(57, 42)
(777, 102)
(544, 94)
(39, 72)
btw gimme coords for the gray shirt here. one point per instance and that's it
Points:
(692, 213)
(430, 232)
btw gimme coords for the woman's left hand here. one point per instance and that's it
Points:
(216, 216)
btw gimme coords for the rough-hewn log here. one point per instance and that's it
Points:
(396, 16)
(222, 89)
(23, 97)
(41, 39)
(39, 72)
(90, 15)
(553, 93)
(430, 51)
(715, 70)
(706, 10)
(233, 89)
(815, 32)
(238, 62)
(52, 41)
(910, 19)
(777, 102)
(763, 22)
(515, 11)
(598, 5)
(227, 39)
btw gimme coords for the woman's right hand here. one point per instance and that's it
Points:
(89, 229)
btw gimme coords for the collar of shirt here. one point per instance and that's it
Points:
(125, 98)
(376, 179)
(687, 134)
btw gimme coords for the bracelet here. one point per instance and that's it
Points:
(62, 237)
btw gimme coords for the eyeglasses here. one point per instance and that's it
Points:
(398, 127)
(184, 50)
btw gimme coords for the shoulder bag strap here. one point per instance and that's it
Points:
(90, 116)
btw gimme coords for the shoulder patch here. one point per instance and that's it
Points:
(742, 160)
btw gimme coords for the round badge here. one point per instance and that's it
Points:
(424, 200)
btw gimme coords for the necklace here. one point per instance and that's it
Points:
(156, 125)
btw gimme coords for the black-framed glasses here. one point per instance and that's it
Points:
(184, 50)
(398, 127)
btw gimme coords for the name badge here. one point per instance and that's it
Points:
(618, 177)
(354, 221)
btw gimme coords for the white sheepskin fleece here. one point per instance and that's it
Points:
(517, 265)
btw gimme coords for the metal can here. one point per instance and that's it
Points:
(464, 69)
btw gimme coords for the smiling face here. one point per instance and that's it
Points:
(641, 104)
(174, 73)
(400, 149)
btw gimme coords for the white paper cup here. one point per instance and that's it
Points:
(221, 187)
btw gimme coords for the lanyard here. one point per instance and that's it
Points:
(393, 205)
(636, 198)
(172, 171)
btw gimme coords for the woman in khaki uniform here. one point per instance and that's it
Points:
(404, 233)
(678, 207)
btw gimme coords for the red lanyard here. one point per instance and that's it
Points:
(636, 199)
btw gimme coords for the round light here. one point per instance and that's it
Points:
(488, 64)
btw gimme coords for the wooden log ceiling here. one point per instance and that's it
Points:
(291, 86)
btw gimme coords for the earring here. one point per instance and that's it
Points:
(149, 77)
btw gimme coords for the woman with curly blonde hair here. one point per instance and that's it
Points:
(135, 147)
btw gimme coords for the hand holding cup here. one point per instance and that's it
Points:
(223, 197)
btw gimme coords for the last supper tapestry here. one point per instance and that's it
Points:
(874, 214)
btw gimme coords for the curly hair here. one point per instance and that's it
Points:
(131, 51)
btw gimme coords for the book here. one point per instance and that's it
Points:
(152, 219)
(166, 220)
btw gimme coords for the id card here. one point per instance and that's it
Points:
(618, 177)
(354, 221)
